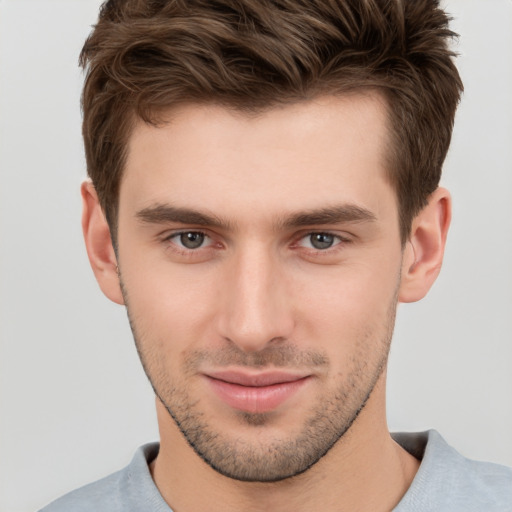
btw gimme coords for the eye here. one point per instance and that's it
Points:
(189, 239)
(320, 241)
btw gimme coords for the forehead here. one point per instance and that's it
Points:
(299, 156)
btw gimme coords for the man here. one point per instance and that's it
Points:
(264, 191)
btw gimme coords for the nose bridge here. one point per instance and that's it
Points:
(256, 310)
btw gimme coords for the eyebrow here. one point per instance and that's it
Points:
(347, 213)
(163, 213)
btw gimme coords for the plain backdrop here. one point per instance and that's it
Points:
(74, 401)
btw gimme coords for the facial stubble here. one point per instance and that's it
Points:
(277, 459)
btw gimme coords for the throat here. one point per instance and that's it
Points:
(349, 477)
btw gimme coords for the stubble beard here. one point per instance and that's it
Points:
(277, 459)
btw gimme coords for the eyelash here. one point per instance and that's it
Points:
(338, 241)
(185, 250)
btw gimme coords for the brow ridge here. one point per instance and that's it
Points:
(346, 213)
(164, 213)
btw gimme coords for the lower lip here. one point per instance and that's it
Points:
(254, 399)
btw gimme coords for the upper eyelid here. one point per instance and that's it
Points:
(297, 237)
(169, 238)
(333, 235)
(341, 236)
(175, 232)
(166, 235)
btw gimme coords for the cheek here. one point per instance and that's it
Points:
(176, 307)
(170, 306)
(349, 304)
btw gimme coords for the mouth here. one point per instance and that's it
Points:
(256, 392)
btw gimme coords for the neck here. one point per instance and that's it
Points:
(365, 471)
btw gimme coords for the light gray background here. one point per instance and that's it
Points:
(74, 400)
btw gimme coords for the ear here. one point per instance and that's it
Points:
(99, 244)
(424, 251)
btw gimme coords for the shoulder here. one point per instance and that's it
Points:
(449, 481)
(100, 495)
(122, 491)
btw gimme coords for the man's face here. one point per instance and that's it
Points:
(260, 260)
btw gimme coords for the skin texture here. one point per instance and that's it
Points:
(268, 247)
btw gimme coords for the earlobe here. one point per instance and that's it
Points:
(98, 242)
(424, 251)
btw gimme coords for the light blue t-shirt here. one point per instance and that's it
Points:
(445, 482)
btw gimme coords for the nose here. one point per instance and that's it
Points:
(256, 307)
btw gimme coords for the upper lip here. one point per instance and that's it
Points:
(260, 379)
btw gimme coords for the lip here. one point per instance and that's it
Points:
(255, 392)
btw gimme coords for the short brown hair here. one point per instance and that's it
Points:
(146, 56)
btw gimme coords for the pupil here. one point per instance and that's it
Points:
(192, 240)
(321, 240)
